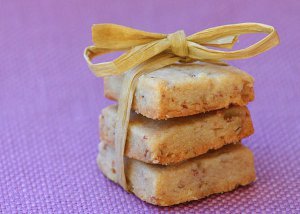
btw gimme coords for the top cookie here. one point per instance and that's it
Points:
(185, 89)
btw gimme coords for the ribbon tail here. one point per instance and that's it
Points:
(125, 101)
(224, 42)
(215, 62)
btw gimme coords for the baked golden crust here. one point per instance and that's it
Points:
(182, 90)
(177, 139)
(214, 172)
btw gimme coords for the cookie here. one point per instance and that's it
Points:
(177, 139)
(217, 171)
(181, 90)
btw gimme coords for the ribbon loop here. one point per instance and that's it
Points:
(178, 43)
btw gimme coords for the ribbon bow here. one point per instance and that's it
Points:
(141, 45)
(146, 52)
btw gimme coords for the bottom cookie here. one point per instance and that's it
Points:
(217, 171)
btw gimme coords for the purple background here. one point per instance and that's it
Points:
(50, 101)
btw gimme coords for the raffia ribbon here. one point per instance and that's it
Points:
(146, 52)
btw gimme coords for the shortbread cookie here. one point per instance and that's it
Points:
(214, 172)
(177, 139)
(182, 90)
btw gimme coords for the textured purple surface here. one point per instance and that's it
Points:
(49, 105)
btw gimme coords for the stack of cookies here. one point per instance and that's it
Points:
(185, 131)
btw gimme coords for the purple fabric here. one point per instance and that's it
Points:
(50, 101)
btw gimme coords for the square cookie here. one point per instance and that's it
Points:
(181, 90)
(177, 139)
(217, 171)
